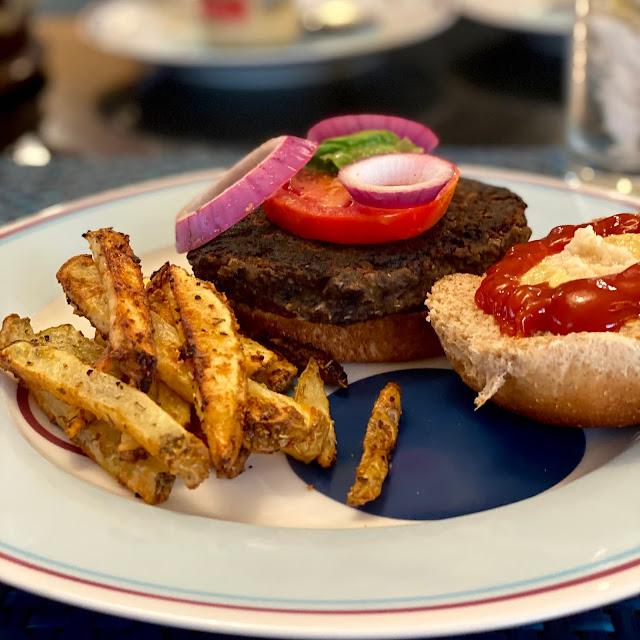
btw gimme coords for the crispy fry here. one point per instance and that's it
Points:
(131, 411)
(213, 349)
(15, 328)
(238, 466)
(130, 327)
(266, 366)
(299, 354)
(321, 444)
(158, 301)
(172, 368)
(274, 421)
(130, 450)
(379, 442)
(82, 285)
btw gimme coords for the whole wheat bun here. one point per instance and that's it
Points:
(581, 379)
(395, 338)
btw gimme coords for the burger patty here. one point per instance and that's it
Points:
(266, 267)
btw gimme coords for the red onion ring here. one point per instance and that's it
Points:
(396, 180)
(240, 190)
(345, 125)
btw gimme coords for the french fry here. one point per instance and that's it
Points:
(148, 478)
(300, 354)
(107, 398)
(130, 328)
(379, 442)
(172, 403)
(15, 328)
(130, 450)
(68, 338)
(234, 470)
(56, 410)
(321, 443)
(260, 363)
(267, 367)
(273, 421)
(209, 329)
(99, 441)
(82, 285)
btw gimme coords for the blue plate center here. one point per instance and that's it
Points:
(449, 459)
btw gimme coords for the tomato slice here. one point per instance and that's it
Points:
(315, 205)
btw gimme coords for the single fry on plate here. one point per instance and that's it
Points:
(320, 445)
(379, 442)
(80, 280)
(15, 328)
(130, 328)
(274, 421)
(212, 347)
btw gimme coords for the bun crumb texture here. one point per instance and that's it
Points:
(580, 379)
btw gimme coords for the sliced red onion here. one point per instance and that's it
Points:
(346, 125)
(240, 190)
(396, 180)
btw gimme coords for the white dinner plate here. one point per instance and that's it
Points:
(136, 29)
(273, 553)
(548, 17)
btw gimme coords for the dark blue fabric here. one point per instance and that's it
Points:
(25, 616)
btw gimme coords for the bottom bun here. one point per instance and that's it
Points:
(581, 379)
(395, 338)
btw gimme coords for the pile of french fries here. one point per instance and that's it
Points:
(168, 386)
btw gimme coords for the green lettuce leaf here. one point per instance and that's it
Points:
(334, 153)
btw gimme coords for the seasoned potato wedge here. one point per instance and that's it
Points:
(130, 328)
(273, 421)
(379, 442)
(320, 445)
(213, 349)
(107, 398)
(99, 441)
(15, 328)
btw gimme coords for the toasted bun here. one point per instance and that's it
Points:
(394, 338)
(581, 379)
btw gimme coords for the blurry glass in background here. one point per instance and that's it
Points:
(20, 72)
(603, 127)
(17, 59)
(235, 22)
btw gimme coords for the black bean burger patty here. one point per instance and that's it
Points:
(264, 266)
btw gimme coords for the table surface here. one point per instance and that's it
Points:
(99, 122)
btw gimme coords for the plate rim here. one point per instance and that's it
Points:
(74, 205)
(477, 11)
(60, 210)
(219, 58)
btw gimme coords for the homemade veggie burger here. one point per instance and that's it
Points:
(335, 240)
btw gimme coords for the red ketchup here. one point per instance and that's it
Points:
(602, 303)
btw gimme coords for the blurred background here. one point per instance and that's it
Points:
(123, 90)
